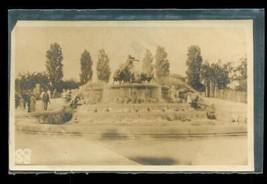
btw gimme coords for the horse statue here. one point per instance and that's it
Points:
(125, 72)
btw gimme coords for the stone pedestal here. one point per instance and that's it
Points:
(131, 93)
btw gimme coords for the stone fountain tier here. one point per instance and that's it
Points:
(141, 112)
(145, 107)
(131, 93)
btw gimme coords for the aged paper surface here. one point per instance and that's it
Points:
(132, 96)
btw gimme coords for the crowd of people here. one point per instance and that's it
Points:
(26, 100)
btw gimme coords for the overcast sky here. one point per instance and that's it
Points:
(225, 40)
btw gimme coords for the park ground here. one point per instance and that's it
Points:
(141, 150)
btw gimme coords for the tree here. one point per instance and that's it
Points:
(215, 75)
(28, 81)
(102, 67)
(86, 67)
(70, 84)
(241, 75)
(193, 62)
(54, 65)
(147, 63)
(162, 63)
(206, 74)
(220, 74)
(242, 68)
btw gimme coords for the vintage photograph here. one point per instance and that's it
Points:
(169, 95)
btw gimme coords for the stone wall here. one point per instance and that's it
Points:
(93, 96)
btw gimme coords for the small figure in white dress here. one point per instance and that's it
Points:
(188, 99)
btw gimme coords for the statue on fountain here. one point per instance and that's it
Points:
(126, 74)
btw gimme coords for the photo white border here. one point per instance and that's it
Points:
(115, 168)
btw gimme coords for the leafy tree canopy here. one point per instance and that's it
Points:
(86, 67)
(103, 68)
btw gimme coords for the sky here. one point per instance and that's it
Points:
(224, 40)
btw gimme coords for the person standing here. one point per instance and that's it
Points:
(17, 100)
(188, 99)
(26, 99)
(45, 99)
(32, 103)
(21, 103)
(49, 94)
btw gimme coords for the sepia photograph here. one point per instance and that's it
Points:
(118, 95)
